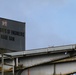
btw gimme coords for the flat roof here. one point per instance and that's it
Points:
(41, 51)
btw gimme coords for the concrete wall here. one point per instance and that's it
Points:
(66, 68)
(29, 61)
(41, 70)
(63, 68)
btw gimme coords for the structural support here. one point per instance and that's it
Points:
(54, 69)
(28, 72)
(13, 67)
(14, 63)
(2, 64)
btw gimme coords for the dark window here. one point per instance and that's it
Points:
(3, 30)
(4, 37)
(14, 32)
(8, 31)
(11, 38)
(17, 33)
(23, 34)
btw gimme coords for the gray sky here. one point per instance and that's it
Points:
(48, 22)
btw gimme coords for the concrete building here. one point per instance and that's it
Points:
(59, 60)
(12, 35)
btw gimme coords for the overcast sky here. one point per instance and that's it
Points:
(48, 22)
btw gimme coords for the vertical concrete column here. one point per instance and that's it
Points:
(13, 66)
(16, 61)
(54, 69)
(2, 64)
(28, 72)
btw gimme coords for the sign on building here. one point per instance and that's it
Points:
(12, 35)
